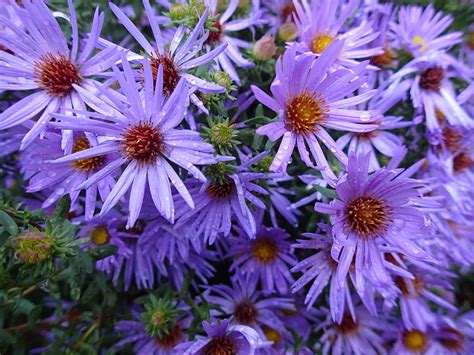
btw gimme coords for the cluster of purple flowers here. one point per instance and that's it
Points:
(130, 133)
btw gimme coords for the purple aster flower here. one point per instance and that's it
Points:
(455, 335)
(61, 77)
(432, 91)
(308, 99)
(180, 58)
(174, 243)
(280, 12)
(247, 305)
(414, 294)
(320, 23)
(63, 179)
(143, 129)
(352, 336)
(222, 35)
(410, 341)
(265, 258)
(224, 338)
(140, 332)
(371, 212)
(107, 231)
(419, 30)
(379, 140)
(224, 199)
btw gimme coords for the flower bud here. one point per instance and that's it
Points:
(264, 48)
(178, 11)
(221, 78)
(288, 31)
(32, 247)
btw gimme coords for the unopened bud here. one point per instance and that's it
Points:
(221, 78)
(178, 11)
(288, 31)
(32, 247)
(264, 48)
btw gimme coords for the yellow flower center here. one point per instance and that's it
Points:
(417, 40)
(272, 334)
(321, 42)
(368, 216)
(414, 340)
(100, 235)
(304, 112)
(87, 165)
(264, 250)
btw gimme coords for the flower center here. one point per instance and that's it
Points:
(170, 73)
(221, 190)
(143, 143)
(367, 216)
(470, 40)
(245, 313)
(347, 326)
(320, 43)
(215, 37)
(452, 339)
(417, 40)
(56, 74)
(383, 60)
(451, 138)
(414, 340)
(265, 250)
(417, 286)
(462, 162)
(87, 165)
(272, 334)
(431, 78)
(100, 235)
(220, 345)
(172, 338)
(304, 112)
(287, 11)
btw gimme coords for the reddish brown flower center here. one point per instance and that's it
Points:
(348, 325)
(451, 138)
(287, 11)
(245, 313)
(383, 60)
(470, 40)
(462, 162)
(414, 340)
(172, 338)
(215, 37)
(304, 112)
(265, 250)
(87, 165)
(221, 190)
(452, 339)
(417, 286)
(220, 345)
(171, 74)
(431, 78)
(143, 143)
(56, 74)
(368, 216)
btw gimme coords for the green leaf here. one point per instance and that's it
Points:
(102, 252)
(62, 209)
(329, 193)
(8, 223)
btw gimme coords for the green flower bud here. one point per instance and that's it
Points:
(32, 247)
(222, 79)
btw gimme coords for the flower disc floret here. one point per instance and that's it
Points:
(304, 112)
(368, 216)
(143, 142)
(56, 74)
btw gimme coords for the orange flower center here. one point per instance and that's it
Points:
(170, 73)
(414, 340)
(87, 165)
(304, 112)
